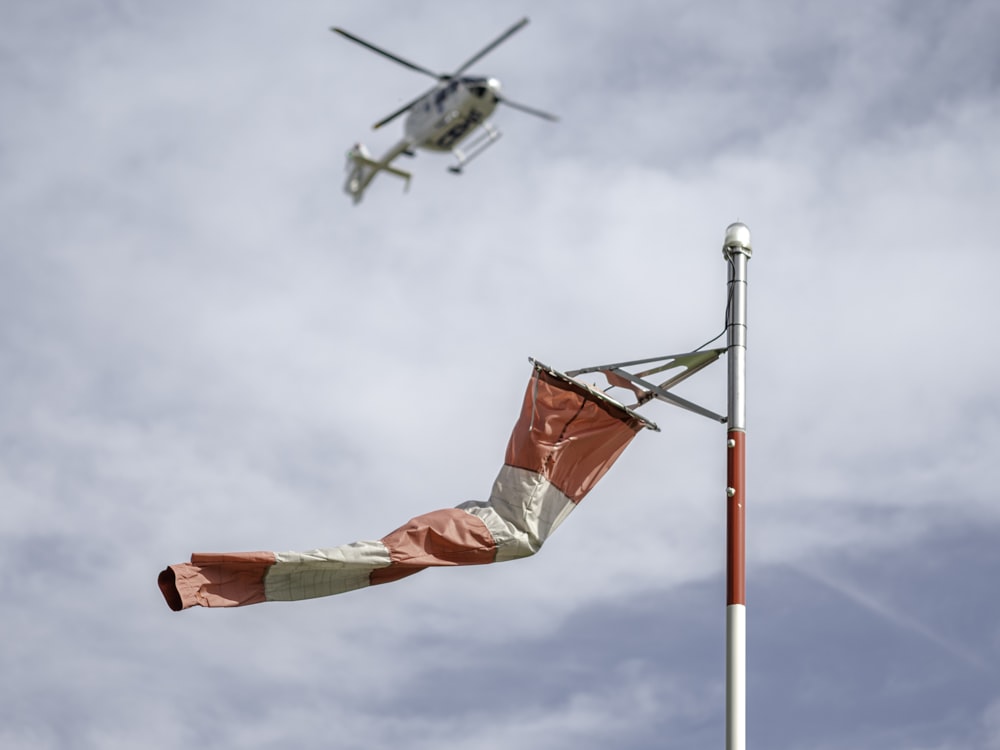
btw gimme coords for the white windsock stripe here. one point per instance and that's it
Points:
(523, 510)
(529, 503)
(510, 542)
(324, 572)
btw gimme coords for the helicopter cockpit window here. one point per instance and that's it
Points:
(443, 94)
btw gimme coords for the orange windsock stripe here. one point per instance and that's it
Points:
(567, 436)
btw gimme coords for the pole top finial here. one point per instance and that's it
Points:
(737, 240)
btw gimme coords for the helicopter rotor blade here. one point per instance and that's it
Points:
(384, 53)
(490, 47)
(405, 108)
(529, 110)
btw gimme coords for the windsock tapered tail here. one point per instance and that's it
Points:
(567, 437)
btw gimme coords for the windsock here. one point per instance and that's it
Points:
(566, 438)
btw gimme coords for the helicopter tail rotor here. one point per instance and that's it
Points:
(362, 168)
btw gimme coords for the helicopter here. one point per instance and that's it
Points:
(453, 112)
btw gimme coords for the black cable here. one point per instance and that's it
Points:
(729, 307)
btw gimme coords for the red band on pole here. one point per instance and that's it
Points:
(736, 589)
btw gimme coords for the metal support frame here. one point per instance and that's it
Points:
(692, 362)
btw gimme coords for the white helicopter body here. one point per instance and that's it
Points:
(439, 120)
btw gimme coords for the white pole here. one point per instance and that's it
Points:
(737, 251)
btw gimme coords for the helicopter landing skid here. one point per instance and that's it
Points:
(477, 146)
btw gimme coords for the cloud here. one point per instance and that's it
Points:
(203, 345)
(900, 619)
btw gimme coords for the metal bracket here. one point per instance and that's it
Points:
(692, 362)
(594, 393)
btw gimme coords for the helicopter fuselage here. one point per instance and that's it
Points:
(459, 106)
(443, 118)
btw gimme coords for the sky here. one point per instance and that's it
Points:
(204, 346)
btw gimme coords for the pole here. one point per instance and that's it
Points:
(737, 252)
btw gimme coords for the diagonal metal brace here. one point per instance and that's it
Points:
(645, 391)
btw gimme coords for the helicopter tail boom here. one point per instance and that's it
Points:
(361, 168)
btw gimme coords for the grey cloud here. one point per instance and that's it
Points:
(204, 346)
